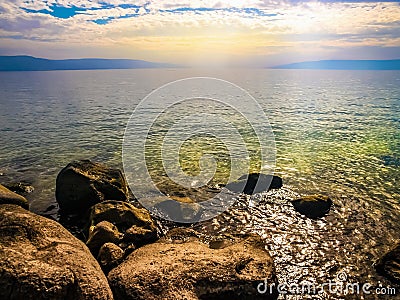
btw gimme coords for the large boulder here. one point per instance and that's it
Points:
(180, 266)
(9, 197)
(255, 183)
(39, 259)
(83, 183)
(313, 206)
(389, 264)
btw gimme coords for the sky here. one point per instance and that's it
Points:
(208, 32)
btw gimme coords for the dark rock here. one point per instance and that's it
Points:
(178, 211)
(389, 264)
(137, 221)
(389, 160)
(82, 184)
(39, 259)
(9, 197)
(20, 188)
(50, 208)
(139, 236)
(313, 206)
(103, 232)
(110, 255)
(255, 183)
(191, 270)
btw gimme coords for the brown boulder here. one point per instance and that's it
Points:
(189, 269)
(100, 234)
(125, 216)
(39, 259)
(110, 255)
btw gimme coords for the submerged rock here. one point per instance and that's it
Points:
(9, 197)
(20, 188)
(255, 183)
(389, 160)
(179, 211)
(83, 183)
(191, 270)
(39, 259)
(313, 206)
(110, 255)
(389, 264)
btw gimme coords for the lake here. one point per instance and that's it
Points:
(336, 133)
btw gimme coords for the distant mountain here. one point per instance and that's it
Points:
(30, 63)
(393, 64)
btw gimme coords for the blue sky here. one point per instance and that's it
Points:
(209, 32)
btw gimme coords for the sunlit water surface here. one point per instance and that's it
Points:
(337, 133)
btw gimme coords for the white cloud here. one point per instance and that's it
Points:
(277, 25)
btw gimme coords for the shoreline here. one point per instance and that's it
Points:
(114, 243)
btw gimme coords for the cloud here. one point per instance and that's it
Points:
(176, 30)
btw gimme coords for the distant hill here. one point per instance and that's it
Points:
(30, 63)
(393, 64)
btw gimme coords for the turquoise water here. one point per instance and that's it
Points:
(336, 132)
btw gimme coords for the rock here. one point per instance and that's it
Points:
(20, 188)
(110, 255)
(103, 232)
(221, 241)
(139, 236)
(313, 206)
(389, 160)
(191, 270)
(82, 184)
(137, 221)
(39, 259)
(179, 211)
(9, 197)
(255, 183)
(389, 264)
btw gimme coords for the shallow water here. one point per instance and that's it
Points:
(336, 133)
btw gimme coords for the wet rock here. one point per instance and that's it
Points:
(139, 236)
(221, 241)
(255, 183)
(9, 197)
(21, 188)
(179, 211)
(39, 259)
(313, 206)
(126, 217)
(191, 270)
(389, 160)
(110, 255)
(83, 183)
(389, 264)
(103, 232)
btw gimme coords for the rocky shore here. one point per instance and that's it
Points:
(106, 246)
